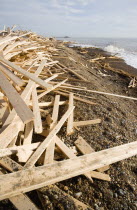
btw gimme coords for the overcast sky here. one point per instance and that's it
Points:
(77, 18)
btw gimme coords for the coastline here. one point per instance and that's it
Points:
(101, 72)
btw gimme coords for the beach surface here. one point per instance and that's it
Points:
(103, 73)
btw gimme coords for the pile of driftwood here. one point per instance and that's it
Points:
(27, 75)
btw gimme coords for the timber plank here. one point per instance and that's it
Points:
(11, 75)
(37, 116)
(87, 122)
(17, 102)
(37, 177)
(26, 74)
(85, 148)
(70, 119)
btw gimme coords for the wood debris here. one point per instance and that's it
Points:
(28, 78)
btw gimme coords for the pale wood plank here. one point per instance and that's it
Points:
(99, 175)
(47, 141)
(45, 175)
(21, 201)
(76, 98)
(12, 46)
(85, 148)
(43, 104)
(26, 93)
(15, 149)
(17, 102)
(53, 88)
(87, 122)
(70, 119)
(7, 135)
(55, 112)
(28, 133)
(11, 38)
(26, 74)
(11, 75)
(4, 113)
(74, 72)
(49, 155)
(37, 116)
(68, 153)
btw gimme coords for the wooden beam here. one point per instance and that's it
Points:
(85, 148)
(22, 202)
(37, 177)
(28, 133)
(33, 159)
(26, 93)
(99, 175)
(70, 119)
(55, 112)
(12, 46)
(15, 149)
(49, 154)
(17, 102)
(87, 122)
(74, 72)
(11, 38)
(69, 153)
(43, 104)
(13, 128)
(53, 88)
(77, 98)
(26, 74)
(7, 135)
(11, 75)
(37, 116)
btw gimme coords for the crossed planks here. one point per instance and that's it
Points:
(26, 74)
(30, 179)
(17, 102)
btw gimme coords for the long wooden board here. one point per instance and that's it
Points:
(37, 116)
(85, 148)
(68, 153)
(21, 201)
(15, 149)
(11, 75)
(30, 179)
(26, 74)
(17, 102)
(70, 119)
(87, 122)
(77, 98)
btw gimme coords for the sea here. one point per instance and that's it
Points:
(125, 48)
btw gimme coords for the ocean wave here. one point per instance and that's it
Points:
(129, 57)
(81, 45)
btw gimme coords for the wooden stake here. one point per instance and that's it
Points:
(37, 116)
(70, 119)
(18, 104)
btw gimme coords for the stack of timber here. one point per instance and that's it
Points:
(31, 87)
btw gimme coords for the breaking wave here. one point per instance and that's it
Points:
(129, 57)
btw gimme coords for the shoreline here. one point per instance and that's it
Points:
(88, 69)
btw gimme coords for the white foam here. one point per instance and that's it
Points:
(81, 45)
(129, 57)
